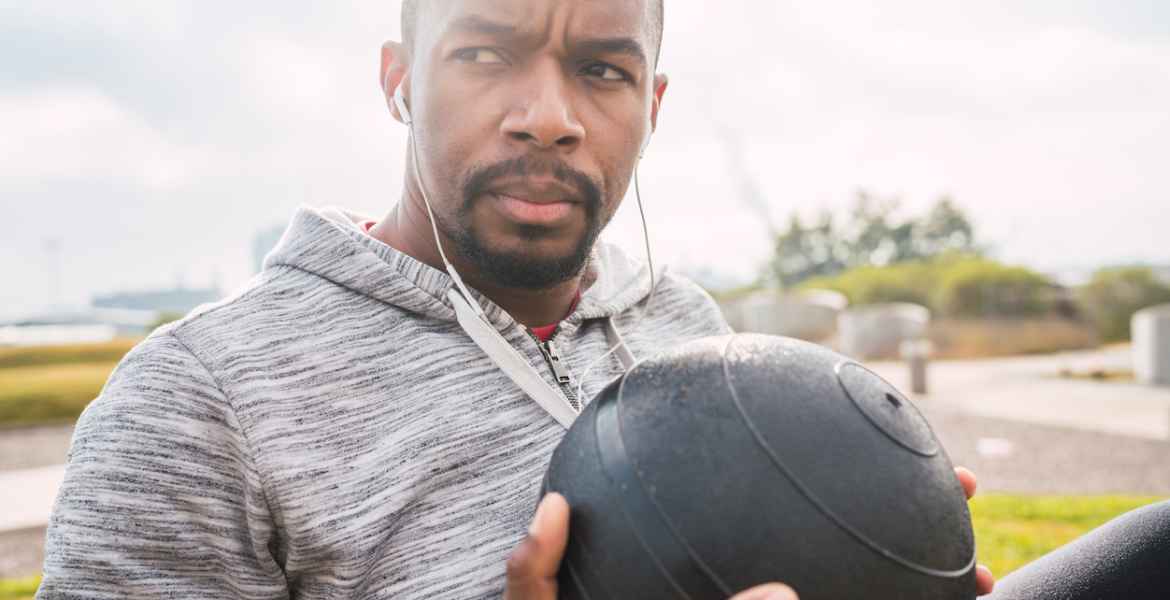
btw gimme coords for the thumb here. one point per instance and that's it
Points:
(532, 568)
(771, 591)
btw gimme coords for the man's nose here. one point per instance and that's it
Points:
(544, 116)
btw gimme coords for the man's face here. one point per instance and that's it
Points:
(529, 118)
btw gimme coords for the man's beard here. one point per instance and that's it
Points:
(518, 269)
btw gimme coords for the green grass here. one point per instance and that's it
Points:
(105, 352)
(1010, 531)
(19, 589)
(49, 393)
(53, 384)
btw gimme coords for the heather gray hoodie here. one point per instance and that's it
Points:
(331, 432)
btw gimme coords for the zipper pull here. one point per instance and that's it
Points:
(554, 360)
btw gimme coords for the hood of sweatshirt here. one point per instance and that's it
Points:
(330, 243)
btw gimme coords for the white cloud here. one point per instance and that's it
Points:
(68, 132)
(1030, 120)
(1044, 118)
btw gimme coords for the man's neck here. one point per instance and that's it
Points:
(409, 231)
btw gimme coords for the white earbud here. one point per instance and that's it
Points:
(649, 134)
(399, 100)
(400, 103)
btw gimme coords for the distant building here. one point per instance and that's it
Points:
(76, 326)
(52, 335)
(263, 243)
(121, 314)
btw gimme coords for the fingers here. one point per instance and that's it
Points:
(771, 591)
(967, 478)
(984, 580)
(532, 568)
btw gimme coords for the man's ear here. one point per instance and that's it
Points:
(393, 73)
(660, 83)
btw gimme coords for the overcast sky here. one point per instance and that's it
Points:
(152, 140)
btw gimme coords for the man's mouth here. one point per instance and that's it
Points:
(535, 201)
(525, 210)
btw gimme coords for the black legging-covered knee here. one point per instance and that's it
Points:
(1127, 558)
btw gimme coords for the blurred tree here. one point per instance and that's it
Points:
(870, 235)
(1113, 295)
(946, 228)
(804, 252)
(869, 238)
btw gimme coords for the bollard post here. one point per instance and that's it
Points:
(917, 353)
(1151, 345)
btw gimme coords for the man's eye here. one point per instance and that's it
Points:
(485, 56)
(606, 72)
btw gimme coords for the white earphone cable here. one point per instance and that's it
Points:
(431, 215)
(653, 284)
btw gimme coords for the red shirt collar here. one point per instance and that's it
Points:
(545, 331)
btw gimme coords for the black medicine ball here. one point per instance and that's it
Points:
(746, 459)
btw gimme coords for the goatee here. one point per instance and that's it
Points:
(517, 269)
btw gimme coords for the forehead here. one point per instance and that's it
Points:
(591, 18)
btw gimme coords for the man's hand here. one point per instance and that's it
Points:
(984, 580)
(532, 568)
(768, 591)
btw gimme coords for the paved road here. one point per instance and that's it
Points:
(28, 447)
(1022, 457)
(28, 496)
(1030, 390)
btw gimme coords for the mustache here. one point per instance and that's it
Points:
(480, 178)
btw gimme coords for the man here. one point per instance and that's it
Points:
(331, 431)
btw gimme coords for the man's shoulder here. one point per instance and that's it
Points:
(156, 386)
(681, 286)
(687, 306)
(255, 300)
(183, 360)
(278, 305)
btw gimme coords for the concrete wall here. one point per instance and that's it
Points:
(1151, 345)
(878, 330)
(809, 315)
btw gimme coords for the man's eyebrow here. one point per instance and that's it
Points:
(618, 45)
(478, 24)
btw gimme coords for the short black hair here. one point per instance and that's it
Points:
(410, 19)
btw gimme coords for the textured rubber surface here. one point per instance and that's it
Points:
(741, 460)
(1127, 558)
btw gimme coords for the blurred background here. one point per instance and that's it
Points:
(972, 196)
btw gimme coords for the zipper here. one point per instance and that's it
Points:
(554, 360)
(560, 371)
